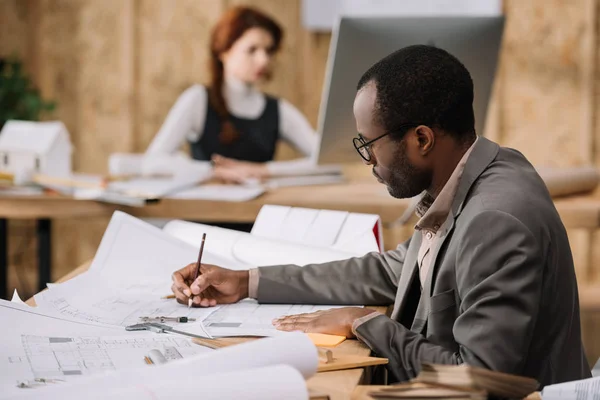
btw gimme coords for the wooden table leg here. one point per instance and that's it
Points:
(44, 235)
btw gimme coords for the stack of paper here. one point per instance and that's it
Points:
(132, 271)
(473, 378)
(416, 390)
(72, 343)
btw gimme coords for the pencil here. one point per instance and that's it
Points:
(148, 360)
(198, 264)
(169, 296)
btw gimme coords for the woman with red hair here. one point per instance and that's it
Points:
(230, 122)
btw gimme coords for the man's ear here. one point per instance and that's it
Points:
(425, 138)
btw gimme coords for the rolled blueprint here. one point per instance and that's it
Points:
(567, 181)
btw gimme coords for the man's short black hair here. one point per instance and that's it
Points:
(423, 85)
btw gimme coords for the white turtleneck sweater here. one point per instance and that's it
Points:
(186, 120)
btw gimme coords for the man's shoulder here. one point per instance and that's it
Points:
(511, 185)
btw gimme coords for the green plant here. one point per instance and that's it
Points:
(19, 99)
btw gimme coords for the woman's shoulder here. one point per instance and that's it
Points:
(195, 89)
(195, 94)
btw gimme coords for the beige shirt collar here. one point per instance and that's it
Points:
(434, 211)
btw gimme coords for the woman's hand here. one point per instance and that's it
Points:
(230, 170)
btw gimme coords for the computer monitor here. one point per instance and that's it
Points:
(359, 42)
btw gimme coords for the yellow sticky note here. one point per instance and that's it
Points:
(323, 340)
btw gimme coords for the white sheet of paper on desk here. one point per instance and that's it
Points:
(235, 193)
(310, 180)
(93, 299)
(155, 187)
(35, 345)
(357, 233)
(295, 350)
(19, 320)
(132, 250)
(267, 383)
(220, 241)
(307, 167)
(321, 227)
(296, 224)
(585, 389)
(243, 250)
(325, 228)
(350, 232)
(260, 252)
(269, 219)
(248, 318)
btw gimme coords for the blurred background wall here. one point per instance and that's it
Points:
(115, 67)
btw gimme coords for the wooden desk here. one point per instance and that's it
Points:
(362, 195)
(339, 385)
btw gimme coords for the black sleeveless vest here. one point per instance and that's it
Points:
(257, 137)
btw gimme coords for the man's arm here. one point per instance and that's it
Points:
(499, 278)
(371, 279)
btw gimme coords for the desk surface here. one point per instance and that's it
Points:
(339, 385)
(357, 196)
(361, 195)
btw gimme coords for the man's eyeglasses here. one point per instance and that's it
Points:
(364, 148)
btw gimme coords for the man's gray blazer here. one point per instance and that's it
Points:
(501, 291)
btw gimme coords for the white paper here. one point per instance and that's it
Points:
(295, 350)
(267, 383)
(155, 187)
(585, 389)
(269, 220)
(325, 228)
(311, 180)
(296, 224)
(248, 318)
(309, 168)
(260, 252)
(242, 250)
(64, 356)
(93, 299)
(133, 250)
(220, 241)
(357, 233)
(234, 193)
(18, 320)
(348, 232)
(36, 345)
(177, 164)
(17, 299)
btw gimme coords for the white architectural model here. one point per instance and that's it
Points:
(35, 148)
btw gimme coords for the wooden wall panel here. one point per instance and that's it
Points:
(172, 54)
(547, 79)
(14, 32)
(105, 85)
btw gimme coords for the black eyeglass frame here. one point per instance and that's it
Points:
(359, 142)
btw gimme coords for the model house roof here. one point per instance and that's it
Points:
(34, 137)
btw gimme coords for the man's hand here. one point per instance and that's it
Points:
(215, 285)
(337, 321)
